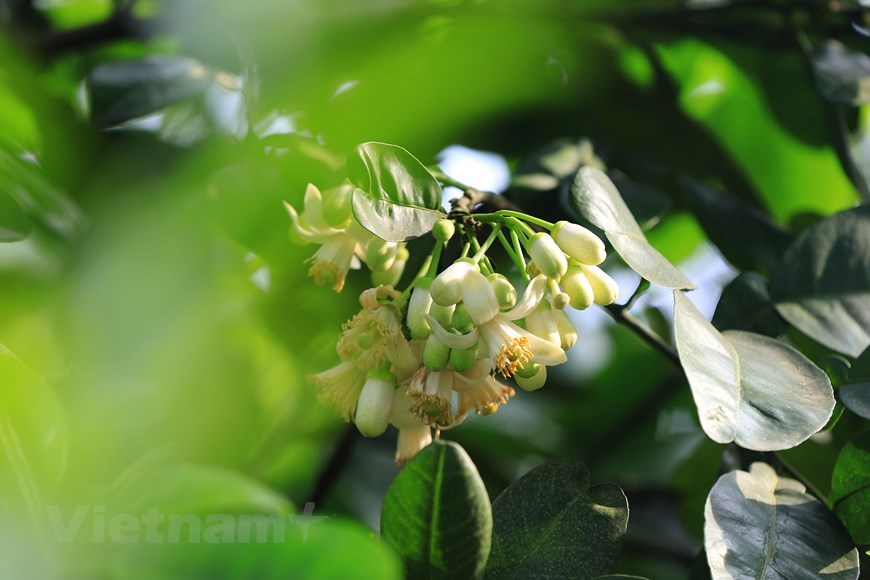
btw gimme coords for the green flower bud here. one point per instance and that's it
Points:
(567, 330)
(443, 314)
(604, 287)
(547, 256)
(418, 307)
(505, 292)
(446, 288)
(534, 382)
(462, 319)
(461, 360)
(337, 206)
(436, 354)
(375, 403)
(579, 243)
(578, 288)
(392, 276)
(380, 254)
(561, 300)
(443, 230)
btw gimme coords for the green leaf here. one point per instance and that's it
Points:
(747, 237)
(856, 398)
(822, 286)
(391, 221)
(850, 487)
(758, 525)
(14, 225)
(745, 305)
(437, 515)
(646, 204)
(552, 524)
(861, 367)
(124, 90)
(595, 198)
(749, 389)
(388, 172)
(843, 75)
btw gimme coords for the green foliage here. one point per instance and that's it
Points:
(850, 488)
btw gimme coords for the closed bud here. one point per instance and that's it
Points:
(579, 243)
(337, 206)
(534, 382)
(443, 314)
(567, 330)
(561, 300)
(542, 323)
(418, 308)
(446, 288)
(392, 276)
(462, 360)
(375, 403)
(547, 256)
(380, 254)
(505, 292)
(443, 230)
(462, 319)
(578, 288)
(604, 287)
(436, 354)
(479, 298)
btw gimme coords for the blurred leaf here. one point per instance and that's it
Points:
(388, 172)
(860, 369)
(850, 487)
(745, 305)
(552, 524)
(822, 286)
(437, 515)
(14, 225)
(747, 237)
(750, 389)
(759, 525)
(124, 90)
(391, 221)
(843, 75)
(856, 398)
(595, 198)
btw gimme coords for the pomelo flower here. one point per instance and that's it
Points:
(485, 397)
(370, 336)
(340, 388)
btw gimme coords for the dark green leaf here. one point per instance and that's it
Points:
(545, 168)
(745, 305)
(850, 487)
(822, 286)
(747, 237)
(391, 221)
(552, 524)
(759, 525)
(388, 172)
(647, 205)
(843, 75)
(437, 515)
(124, 90)
(856, 398)
(860, 370)
(750, 389)
(595, 198)
(14, 225)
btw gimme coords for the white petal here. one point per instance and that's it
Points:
(452, 339)
(531, 298)
(545, 352)
(479, 298)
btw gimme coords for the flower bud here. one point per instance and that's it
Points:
(578, 288)
(532, 270)
(337, 206)
(436, 354)
(392, 276)
(443, 314)
(542, 323)
(462, 360)
(446, 288)
(380, 254)
(418, 307)
(604, 287)
(567, 330)
(534, 382)
(375, 403)
(505, 292)
(579, 243)
(479, 298)
(547, 256)
(462, 319)
(561, 300)
(443, 230)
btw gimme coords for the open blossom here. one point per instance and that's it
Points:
(340, 388)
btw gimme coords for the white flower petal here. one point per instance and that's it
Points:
(452, 339)
(545, 352)
(479, 298)
(531, 298)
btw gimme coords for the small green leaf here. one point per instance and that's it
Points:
(388, 172)
(856, 398)
(552, 524)
(437, 515)
(850, 487)
(750, 389)
(391, 221)
(758, 525)
(14, 225)
(822, 286)
(745, 305)
(595, 198)
(843, 75)
(124, 90)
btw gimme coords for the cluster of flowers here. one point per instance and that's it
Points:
(427, 357)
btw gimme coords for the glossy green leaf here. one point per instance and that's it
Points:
(594, 197)
(745, 305)
(124, 90)
(388, 172)
(552, 524)
(437, 515)
(822, 286)
(758, 525)
(850, 487)
(856, 398)
(391, 221)
(14, 225)
(843, 75)
(749, 389)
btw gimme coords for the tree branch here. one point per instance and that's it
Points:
(336, 464)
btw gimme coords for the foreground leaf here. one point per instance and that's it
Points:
(595, 198)
(856, 398)
(758, 525)
(850, 488)
(822, 286)
(552, 524)
(391, 221)
(749, 389)
(745, 305)
(437, 515)
(388, 172)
